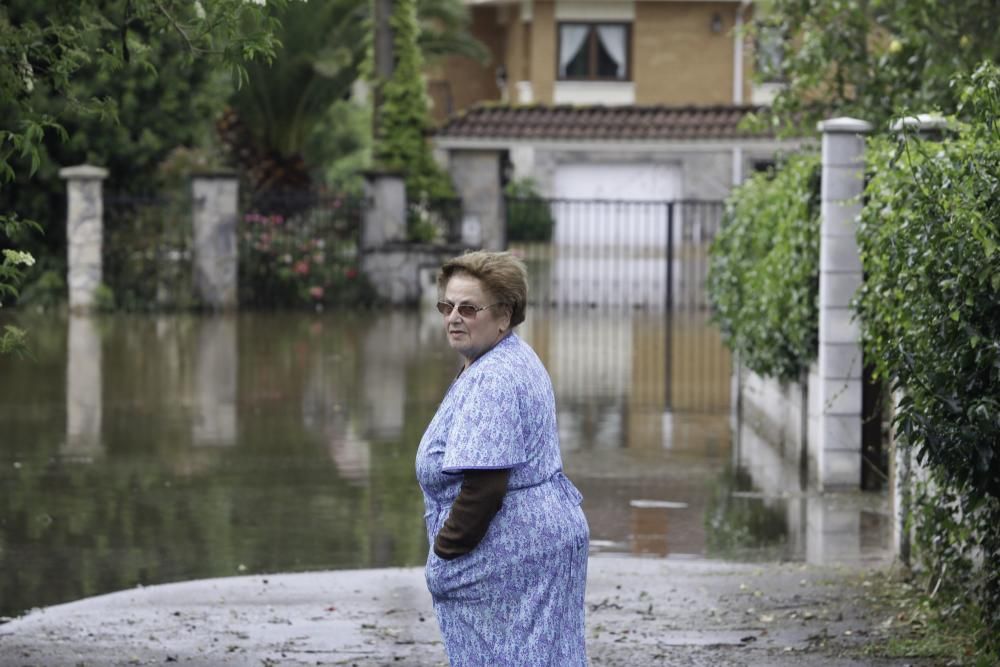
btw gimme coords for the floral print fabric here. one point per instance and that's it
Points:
(518, 597)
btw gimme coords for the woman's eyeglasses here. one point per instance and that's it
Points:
(466, 310)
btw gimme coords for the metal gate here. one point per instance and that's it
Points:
(614, 254)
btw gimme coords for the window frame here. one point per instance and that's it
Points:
(592, 43)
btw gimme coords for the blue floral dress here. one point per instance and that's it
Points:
(518, 597)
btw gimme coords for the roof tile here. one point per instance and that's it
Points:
(632, 122)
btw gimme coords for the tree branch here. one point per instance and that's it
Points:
(177, 27)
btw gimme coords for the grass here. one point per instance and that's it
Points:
(944, 627)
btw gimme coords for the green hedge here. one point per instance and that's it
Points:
(529, 217)
(763, 275)
(929, 238)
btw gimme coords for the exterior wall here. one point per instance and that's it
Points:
(677, 58)
(785, 416)
(458, 83)
(543, 52)
(704, 175)
(517, 57)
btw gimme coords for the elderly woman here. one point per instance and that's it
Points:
(508, 564)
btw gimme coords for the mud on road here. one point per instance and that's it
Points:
(639, 612)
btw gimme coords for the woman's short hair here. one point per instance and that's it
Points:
(502, 274)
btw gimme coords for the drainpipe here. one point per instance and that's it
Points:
(738, 52)
(738, 83)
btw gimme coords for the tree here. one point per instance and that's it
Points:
(47, 53)
(400, 140)
(273, 119)
(292, 120)
(873, 59)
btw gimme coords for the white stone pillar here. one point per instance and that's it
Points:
(215, 201)
(384, 218)
(84, 233)
(476, 175)
(840, 360)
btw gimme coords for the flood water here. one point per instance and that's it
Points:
(137, 450)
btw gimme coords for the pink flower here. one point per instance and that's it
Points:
(301, 267)
(351, 273)
(316, 292)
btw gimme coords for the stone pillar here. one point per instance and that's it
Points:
(476, 176)
(385, 213)
(84, 232)
(215, 201)
(838, 451)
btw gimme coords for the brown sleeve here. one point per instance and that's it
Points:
(478, 502)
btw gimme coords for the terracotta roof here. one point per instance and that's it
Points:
(599, 123)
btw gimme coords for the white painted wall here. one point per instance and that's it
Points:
(594, 11)
(609, 93)
(635, 181)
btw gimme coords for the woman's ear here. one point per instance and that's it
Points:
(505, 318)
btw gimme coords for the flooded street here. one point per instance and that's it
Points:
(151, 449)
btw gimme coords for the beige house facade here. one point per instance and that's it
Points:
(678, 73)
(643, 52)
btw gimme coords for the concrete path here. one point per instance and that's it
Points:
(640, 612)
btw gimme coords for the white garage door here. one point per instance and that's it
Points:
(630, 182)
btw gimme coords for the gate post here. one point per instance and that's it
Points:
(477, 178)
(384, 217)
(215, 198)
(838, 454)
(84, 233)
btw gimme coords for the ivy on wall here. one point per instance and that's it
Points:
(930, 247)
(763, 275)
(401, 143)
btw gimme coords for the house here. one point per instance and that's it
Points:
(625, 99)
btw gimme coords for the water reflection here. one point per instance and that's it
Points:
(214, 419)
(772, 490)
(83, 389)
(146, 450)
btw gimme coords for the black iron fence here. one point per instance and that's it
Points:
(602, 253)
(146, 252)
(434, 220)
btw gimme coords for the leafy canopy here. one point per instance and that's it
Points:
(763, 274)
(44, 53)
(872, 59)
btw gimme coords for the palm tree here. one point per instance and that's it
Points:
(272, 118)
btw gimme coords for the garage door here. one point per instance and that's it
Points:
(630, 182)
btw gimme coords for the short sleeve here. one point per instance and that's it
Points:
(486, 430)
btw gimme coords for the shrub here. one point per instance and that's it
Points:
(763, 275)
(402, 122)
(929, 238)
(308, 259)
(528, 214)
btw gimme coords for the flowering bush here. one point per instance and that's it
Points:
(308, 259)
